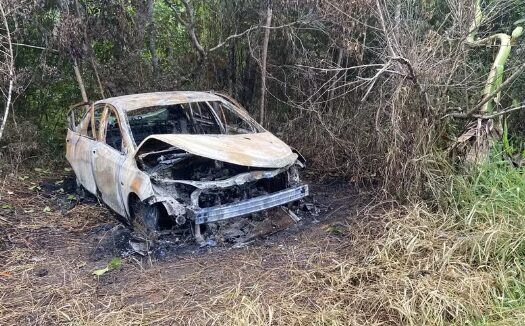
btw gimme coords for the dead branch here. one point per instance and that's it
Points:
(232, 37)
(385, 31)
(393, 57)
(34, 47)
(509, 110)
(490, 96)
(375, 78)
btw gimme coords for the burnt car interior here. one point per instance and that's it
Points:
(188, 118)
(113, 134)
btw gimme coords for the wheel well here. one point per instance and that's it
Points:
(132, 199)
(165, 222)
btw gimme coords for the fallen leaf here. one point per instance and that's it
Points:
(100, 272)
(10, 192)
(29, 210)
(5, 274)
(67, 169)
(47, 209)
(6, 206)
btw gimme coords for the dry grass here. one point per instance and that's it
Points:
(373, 266)
(410, 274)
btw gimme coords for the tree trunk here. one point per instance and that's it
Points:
(91, 53)
(95, 70)
(6, 113)
(11, 67)
(263, 62)
(80, 81)
(152, 40)
(233, 69)
(331, 93)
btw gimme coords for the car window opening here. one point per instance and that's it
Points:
(201, 118)
(113, 135)
(92, 130)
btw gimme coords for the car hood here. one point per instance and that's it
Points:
(262, 150)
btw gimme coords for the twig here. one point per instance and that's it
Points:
(231, 37)
(374, 79)
(490, 96)
(34, 47)
(492, 116)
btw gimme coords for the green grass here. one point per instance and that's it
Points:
(489, 207)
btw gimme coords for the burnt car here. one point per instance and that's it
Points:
(161, 159)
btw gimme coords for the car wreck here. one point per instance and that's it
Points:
(162, 159)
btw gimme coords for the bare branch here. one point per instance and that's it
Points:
(232, 37)
(492, 116)
(375, 78)
(490, 96)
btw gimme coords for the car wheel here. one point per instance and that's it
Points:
(79, 189)
(145, 220)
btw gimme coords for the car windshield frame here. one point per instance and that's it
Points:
(191, 107)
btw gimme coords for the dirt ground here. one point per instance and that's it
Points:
(51, 241)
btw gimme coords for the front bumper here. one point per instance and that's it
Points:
(252, 205)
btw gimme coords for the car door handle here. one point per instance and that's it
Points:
(94, 152)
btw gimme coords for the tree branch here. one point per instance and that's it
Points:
(189, 23)
(490, 96)
(231, 37)
(492, 116)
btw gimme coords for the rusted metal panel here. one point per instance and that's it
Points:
(106, 167)
(134, 181)
(262, 150)
(79, 148)
(138, 101)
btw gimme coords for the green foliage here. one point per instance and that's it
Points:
(492, 193)
(489, 202)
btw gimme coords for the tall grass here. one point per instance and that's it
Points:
(461, 264)
(490, 210)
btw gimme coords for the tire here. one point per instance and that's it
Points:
(145, 220)
(79, 189)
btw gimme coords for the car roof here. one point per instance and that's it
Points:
(138, 101)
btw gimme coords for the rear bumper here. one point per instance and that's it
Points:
(252, 205)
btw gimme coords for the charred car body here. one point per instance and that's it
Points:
(159, 159)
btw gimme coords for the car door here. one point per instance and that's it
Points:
(79, 144)
(109, 155)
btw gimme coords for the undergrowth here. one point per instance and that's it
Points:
(462, 264)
